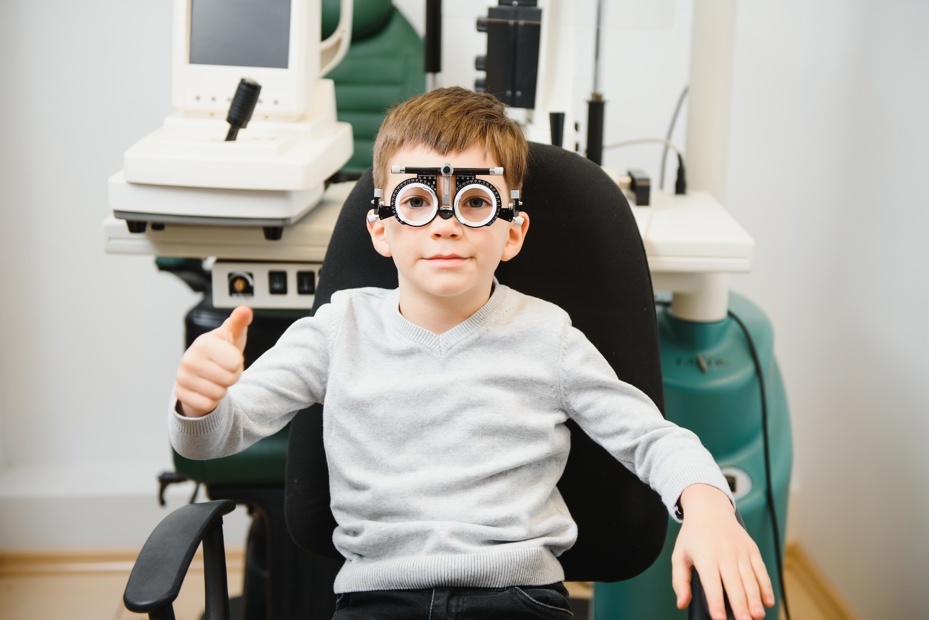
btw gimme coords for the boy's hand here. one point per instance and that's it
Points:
(213, 362)
(725, 556)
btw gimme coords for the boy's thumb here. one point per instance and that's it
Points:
(236, 326)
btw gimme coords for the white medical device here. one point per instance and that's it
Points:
(275, 42)
(187, 172)
(246, 268)
(692, 243)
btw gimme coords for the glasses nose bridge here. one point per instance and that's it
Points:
(445, 190)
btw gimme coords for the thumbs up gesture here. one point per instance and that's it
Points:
(212, 364)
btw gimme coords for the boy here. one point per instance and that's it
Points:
(446, 400)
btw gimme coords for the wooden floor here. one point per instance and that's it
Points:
(90, 585)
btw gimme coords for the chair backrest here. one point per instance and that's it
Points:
(584, 253)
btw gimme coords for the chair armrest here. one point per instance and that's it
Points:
(159, 571)
(699, 609)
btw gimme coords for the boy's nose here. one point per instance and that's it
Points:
(446, 224)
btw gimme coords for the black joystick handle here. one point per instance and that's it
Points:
(242, 106)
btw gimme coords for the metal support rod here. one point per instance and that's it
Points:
(595, 106)
(598, 28)
(214, 574)
(710, 97)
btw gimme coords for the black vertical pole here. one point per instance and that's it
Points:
(432, 61)
(596, 104)
(595, 128)
(556, 125)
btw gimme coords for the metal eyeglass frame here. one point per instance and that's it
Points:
(464, 178)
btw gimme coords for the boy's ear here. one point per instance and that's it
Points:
(515, 237)
(379, 236)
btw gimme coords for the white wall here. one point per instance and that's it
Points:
(827, 138)
(89, 341)
(827, 165)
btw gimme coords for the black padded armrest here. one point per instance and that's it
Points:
(159, 571)
(699, 609)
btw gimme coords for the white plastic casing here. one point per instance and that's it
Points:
(693, 244)
(196, 205)
(292, 144)
(268, 155)
(305, 240)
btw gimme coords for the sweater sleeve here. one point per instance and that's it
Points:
(625, 421)
(288, 377)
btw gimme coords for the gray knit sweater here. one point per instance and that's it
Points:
(444, 450)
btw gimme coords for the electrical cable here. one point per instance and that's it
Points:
(680, 184)
(677, 111)
(769, 493)
(667, 143)
(775, 529)
(758, 371)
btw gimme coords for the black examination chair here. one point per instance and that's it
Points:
(584, 253)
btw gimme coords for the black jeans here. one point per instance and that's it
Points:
(515, 603)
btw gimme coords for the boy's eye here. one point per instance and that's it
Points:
(416, 202)
(474, 199)
(477, 202)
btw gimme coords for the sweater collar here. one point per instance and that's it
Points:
(443, 343)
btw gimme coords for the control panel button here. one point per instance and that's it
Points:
(277, 282)
(306, 282)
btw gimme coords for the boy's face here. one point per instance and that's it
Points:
(445, 259)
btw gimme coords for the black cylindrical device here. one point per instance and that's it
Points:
(242, 106)
(556, 125)
(595, 109)
(432, 45)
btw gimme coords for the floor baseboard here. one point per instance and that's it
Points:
(91, 562)
(810, 594)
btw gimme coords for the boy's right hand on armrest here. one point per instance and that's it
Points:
(213, 362)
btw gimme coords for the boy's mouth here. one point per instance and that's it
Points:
(446, 259)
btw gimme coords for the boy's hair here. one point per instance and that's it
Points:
(451, 120)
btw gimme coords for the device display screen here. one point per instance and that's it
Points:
(240, 33)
